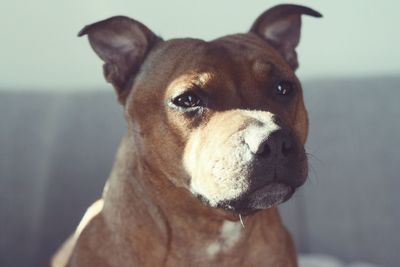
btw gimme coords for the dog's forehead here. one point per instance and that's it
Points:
(234, 58)
(249, 46)
(254, 57)
(223, 66)
(186, 55)
(232, 55)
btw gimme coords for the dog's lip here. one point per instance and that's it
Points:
(273, 192)
(264, 197)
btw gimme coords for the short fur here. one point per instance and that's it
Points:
(183, 176)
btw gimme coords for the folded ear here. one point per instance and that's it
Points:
(123, 44)
(280, 27)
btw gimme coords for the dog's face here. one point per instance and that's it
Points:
(223, 119)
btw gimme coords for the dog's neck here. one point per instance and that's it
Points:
(174, 223)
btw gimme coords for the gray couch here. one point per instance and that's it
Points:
(56, 150)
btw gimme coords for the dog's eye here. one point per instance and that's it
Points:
(187, 100)
(283, 88)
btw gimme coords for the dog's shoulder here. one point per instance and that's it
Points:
(88, 223)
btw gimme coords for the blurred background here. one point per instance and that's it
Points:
(60, 123)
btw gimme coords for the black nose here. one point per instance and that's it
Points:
(278, 144)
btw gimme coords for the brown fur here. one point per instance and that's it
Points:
(147, 215)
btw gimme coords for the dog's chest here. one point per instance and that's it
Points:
(229, 235)
(232, 246)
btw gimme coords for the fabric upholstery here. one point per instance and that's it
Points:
(56, 150)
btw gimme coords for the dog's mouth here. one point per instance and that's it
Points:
(264, 197)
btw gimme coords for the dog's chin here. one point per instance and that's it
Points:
(264, 197)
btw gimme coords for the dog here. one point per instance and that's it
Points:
(214, 142)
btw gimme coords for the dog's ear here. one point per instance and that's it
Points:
(123, 44)
(280, 27)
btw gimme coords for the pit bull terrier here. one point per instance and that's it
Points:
(214, 142)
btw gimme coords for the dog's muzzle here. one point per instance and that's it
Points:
(279, 168)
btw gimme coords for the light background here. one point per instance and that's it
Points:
(40, 50)
(54, 146)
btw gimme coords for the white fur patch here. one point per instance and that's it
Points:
(220, 166)
(256, 133)
(91, 212)
(213, 249)
(229, 235)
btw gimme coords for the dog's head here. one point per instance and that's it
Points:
(223, 119)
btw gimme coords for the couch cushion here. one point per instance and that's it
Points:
(57, 150)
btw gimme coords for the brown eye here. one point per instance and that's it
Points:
(187, 100)
(284, 88)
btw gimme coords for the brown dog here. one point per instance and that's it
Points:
(215, 133)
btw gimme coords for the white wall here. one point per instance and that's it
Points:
(40, 50)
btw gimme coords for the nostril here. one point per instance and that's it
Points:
(276, 145)
(287, 147)
(264, 150)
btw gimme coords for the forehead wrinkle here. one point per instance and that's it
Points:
(199, 61)
(242, 42)
(188, 81)
(262, 69)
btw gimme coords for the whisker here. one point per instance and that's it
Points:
(313, 175)
(241, 220)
